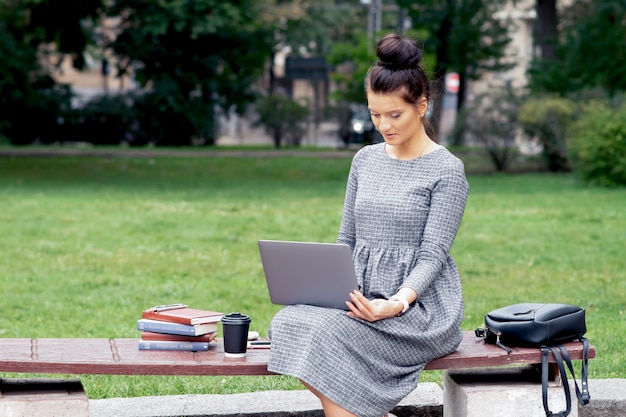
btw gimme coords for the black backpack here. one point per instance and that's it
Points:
(546, 326)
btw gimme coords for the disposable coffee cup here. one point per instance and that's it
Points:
(235, 330)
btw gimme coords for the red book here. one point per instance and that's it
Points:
(182, 315)
(164, 337)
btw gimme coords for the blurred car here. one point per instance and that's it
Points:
(358, 127)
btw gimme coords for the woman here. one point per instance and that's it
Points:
(404, 202)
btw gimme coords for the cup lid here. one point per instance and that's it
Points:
(236, 318)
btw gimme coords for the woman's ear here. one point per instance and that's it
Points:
(422, 106)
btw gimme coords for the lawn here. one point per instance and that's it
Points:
(88, 243)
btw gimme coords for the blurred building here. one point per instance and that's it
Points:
(521, 50)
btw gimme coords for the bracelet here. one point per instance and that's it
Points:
(405, 303)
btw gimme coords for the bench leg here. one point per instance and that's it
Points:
(511, 392)
(43, 398)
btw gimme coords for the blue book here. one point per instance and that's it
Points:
(172, 345)
(155, 326)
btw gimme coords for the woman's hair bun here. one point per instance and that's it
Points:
(398, 53)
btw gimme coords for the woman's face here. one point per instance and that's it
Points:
(398, 121)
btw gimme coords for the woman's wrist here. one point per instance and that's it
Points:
(401, 300)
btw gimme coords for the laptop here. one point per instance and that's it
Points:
(319, 274)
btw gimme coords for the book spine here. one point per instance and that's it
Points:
(169, 345)
(167, 337)
(165, 327)
(188, 318)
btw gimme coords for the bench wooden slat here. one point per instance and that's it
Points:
(122, 357)
(475, 353)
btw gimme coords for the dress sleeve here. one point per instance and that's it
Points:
(347, 231)
(447, 205)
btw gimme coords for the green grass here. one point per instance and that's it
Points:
(86, 244)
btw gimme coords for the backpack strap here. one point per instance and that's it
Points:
(586, 397)
(582, 394)
(545, 350)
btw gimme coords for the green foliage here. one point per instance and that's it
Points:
(547, 118)
(351, 61)
(31, 102)
(477, 43)
(465, 36)
(190, 58)
(317, 26)
(282, 118)
(66, 23)
(590, 50)
(598, 145)
(104, 120)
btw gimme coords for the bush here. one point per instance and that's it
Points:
(105, 120)
(598, 145)
(34, 113)
(282, 118)
(547, 119)
(138, 119)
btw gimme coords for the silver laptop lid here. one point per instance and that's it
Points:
(320, 274)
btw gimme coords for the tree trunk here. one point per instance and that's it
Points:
(278, 138)
(441, 67)
(546, 31)
(271, 74)
(460, 99)
(437, 109)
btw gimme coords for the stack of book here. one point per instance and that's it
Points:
(177, 327)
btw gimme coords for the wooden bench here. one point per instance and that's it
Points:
(122, 357)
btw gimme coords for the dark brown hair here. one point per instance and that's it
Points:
(399, 71)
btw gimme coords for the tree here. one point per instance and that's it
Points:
(354, 52)
(598, 144)
(311, 30)
(351, 61)
(356, 58)
(590, 52)
(546, 28)
(493, 122)
(190, 57)
(34, 36)
(282, 118)
(466, 36)
(318, 25)
(68, 24)
(547, 119)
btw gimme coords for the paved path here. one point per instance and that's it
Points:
(425, 401)
(608, 399)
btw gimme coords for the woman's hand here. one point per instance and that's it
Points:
(372, 310)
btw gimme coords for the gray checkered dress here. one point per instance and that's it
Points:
(400, 218)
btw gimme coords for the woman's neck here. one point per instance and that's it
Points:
(411, 149)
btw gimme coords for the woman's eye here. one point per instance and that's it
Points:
(395, 115)
(374, 115)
